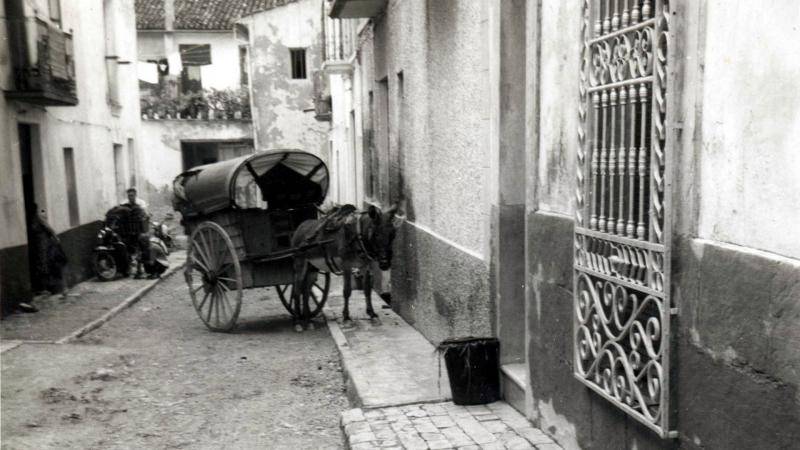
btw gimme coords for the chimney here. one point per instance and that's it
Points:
(169, 15)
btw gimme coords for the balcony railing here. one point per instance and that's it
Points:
(211, 104)
(340, 39)
(44, 74)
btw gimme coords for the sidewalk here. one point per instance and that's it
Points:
(87, 306)
(393, 373)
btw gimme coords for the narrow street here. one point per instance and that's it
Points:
(155, 377)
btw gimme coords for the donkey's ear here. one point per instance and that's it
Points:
(373, 212)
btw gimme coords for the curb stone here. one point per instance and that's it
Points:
(113, 312)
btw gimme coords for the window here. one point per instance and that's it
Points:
(622, 303)
(243, 78)
(195, 54)
(119, 170)
(111, 52)
(72, 187)
(191, 79)
(132, 162)
(193, 57)
(298, 59)
(55, 11)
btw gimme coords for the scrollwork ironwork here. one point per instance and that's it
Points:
(622, 303)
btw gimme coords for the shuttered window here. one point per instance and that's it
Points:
(195, 55)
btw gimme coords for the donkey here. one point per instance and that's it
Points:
(348, 240)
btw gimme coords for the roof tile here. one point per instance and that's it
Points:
(200, 14)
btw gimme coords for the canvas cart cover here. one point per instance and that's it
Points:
(283, 179)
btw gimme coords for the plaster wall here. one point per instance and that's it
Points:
(91, 129)
(735, 338)
(749, 166)
(427, 66)
(346, 176)
(222, 73)
(283, 108)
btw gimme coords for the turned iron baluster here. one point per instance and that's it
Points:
(643, 96)
(630, 228)
(623, 97)
(594, 159)
(601, 221)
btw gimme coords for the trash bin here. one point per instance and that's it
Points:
(473, 368)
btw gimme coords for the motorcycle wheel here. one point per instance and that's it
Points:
(105, 266)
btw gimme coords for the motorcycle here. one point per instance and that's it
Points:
(161, 231)
(111, 256)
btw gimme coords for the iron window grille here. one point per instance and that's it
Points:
(622, 305)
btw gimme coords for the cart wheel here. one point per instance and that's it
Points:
(214, 277)
(318, 297)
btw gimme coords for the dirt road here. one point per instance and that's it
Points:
(155, 377)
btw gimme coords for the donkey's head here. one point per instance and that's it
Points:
(381, 231)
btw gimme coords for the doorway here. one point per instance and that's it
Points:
(198, 153)
(27, 133)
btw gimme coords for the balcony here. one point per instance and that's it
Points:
(356, 9)
(340, 42)
(163, 102)
(44, 72)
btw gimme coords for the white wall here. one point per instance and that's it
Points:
(90, 128)
(749, 162)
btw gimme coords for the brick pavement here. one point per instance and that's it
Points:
(442, 426)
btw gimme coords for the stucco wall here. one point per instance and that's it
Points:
(283, 115)
(749, 166)
(91, 129)
(735, 337)
(434, 151)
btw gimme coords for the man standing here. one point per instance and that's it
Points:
(139, 214)
(134, 200)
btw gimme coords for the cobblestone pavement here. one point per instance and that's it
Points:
(442, 426)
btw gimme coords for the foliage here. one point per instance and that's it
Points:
(163, 99)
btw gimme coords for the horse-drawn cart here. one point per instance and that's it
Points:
(240, 215)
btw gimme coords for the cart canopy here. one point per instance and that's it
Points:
(271, 179)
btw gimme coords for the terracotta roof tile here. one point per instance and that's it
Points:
(200, 14)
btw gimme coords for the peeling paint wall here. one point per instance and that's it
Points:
(736, 273)
(283, 115)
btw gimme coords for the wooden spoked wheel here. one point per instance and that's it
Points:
(317, 297)
(214, 277)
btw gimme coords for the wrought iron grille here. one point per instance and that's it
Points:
(622, 304)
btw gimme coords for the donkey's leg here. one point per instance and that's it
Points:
(368, 295)
(307, 282)
(297, 291)
(347, 274)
